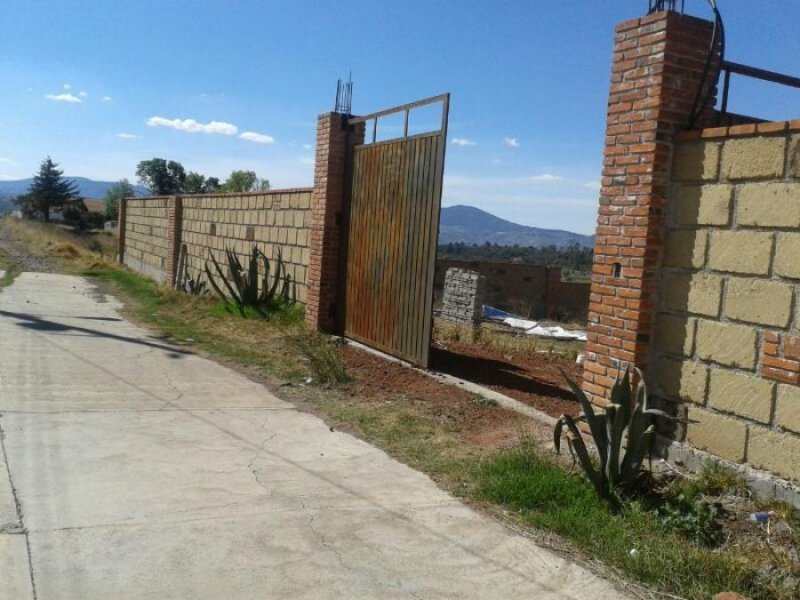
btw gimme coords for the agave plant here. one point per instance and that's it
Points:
(622, 434)
(245, 287)
(194, 286)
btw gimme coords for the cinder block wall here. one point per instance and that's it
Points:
(145, 234)
(533, 291)
(278, 219)
(156, 227)
(727, 337)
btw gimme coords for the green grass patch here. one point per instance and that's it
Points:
(280, 313)
(10, 272)
(633, 539)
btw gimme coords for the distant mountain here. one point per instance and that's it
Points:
(87, 188)
(472, 225)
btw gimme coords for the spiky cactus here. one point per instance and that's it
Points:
(244, 286)
(623, 435)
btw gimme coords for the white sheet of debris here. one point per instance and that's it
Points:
(555, 332)
(558, 333)
(520, 323)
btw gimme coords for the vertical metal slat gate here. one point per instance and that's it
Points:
(392, 228)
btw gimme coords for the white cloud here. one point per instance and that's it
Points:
(511, 142)
(106, 98)
(67, 86)
(128, 136)
(307, 146)
(192, 126)
(63, 98)
(462, 142)
(259, 138)
(546, 178)
(593, 185)
(83, 94)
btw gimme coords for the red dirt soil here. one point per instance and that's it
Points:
(531, 378)
(379, 381)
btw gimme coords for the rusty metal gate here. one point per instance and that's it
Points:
(392, 221)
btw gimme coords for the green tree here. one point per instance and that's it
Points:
(49, 190)
(213, 185)
(245, 181)
(75, 214)
(195, 183)
(118, 191)
(161, 177)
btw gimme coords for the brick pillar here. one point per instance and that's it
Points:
(327, 202)
(658, 64)
(174, 237)
(122, 217)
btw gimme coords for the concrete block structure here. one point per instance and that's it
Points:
(462, 298)
(152, 231)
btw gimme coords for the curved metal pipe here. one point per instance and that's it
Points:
(717, 38)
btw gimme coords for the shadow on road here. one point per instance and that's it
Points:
(44, 325)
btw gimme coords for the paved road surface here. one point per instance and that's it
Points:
(138, 471)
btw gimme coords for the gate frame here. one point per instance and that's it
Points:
(352, 124)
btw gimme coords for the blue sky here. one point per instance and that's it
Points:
(81, 80)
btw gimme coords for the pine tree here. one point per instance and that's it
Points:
(49, 190)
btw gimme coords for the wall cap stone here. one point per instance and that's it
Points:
(771, 127)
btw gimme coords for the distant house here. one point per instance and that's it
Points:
(92, 205)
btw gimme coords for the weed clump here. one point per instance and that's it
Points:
(323, 355)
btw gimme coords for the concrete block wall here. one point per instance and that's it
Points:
(462, 300)
(273, 220)
(533, 291)
(155, 228)
(727, 339)
(144, 236)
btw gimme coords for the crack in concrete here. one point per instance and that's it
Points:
(18, 506)
(260, 449)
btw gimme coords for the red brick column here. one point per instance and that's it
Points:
(659, 62)
(122, 219)
(327, 202)
(174, 236)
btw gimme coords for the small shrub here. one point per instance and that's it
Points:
(484, 401)
(693, 518)
(323, 355)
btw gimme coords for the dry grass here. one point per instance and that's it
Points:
(503, 338)
(68, 250)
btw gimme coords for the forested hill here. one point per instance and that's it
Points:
(87, 188)
(470, 225)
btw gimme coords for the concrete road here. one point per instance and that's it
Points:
(136, 470)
